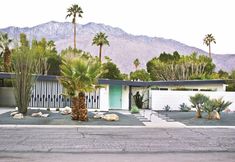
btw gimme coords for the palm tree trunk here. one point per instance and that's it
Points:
(100, 53)
(7, 60)
(198, 113)
(74, 36)
(82, 111)
(75, 107)
(210, 50)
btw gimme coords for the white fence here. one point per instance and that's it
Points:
(174, 98)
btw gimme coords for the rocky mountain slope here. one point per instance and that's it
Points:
(124, 47)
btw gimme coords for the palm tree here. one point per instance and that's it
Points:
(5, 51)
(100, 39)
(74, 11)
(50, 46)
(136, 63)
(78, 76)
(209, 38)
(198, 101)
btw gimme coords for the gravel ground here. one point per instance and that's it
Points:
(188, 118)
(55, 118)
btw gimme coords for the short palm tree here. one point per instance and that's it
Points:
(74, 11)
(221, 105)
(5, 51)
(198, 101)
(78, 76)
(209, 38)
(100, 39)
(136, 63)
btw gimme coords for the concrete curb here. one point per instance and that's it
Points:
(107, 126)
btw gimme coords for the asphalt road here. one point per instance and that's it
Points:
(159, 142)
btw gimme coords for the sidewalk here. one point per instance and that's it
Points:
(156, 121)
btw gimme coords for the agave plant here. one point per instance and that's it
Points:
(184, 108)
(78, 76)
(198, 100)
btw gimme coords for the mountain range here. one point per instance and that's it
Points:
(124, 48)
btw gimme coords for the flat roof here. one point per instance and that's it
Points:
(160, 83)
(129, 83)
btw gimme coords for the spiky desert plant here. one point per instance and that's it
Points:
(25, 66)
(198, 100)
(184, 108)
(139, 100)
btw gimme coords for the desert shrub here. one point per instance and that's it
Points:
(25, 66)
(184, 108)
(167, 108)
(139, 100)
(134, 110)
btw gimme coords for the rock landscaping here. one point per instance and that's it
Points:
(44, 117)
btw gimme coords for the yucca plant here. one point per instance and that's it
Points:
(139, 100)
(78, 76)
(198, 100)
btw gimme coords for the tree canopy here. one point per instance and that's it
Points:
(193, 66)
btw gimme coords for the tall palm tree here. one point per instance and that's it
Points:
(136, 63)
(209, 38)
(74, 11)
(100, 39)
(78, 76)
(5, 51)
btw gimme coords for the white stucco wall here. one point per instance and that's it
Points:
(125, 98)
(175, 98)
(104, 98)
(215, 87)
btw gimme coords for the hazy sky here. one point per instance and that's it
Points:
(187, 21)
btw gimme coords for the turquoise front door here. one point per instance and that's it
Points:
(115, 97)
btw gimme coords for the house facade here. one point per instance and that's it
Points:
(114, 94)
(119, 94)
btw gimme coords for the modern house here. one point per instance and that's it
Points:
(114, 94)
(118, 94)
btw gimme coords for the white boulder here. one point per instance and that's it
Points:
(67, 110)
(98, 116)
(39, 114)
(18, 116)
(45, 115)
(111, 117)
(13, 113)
